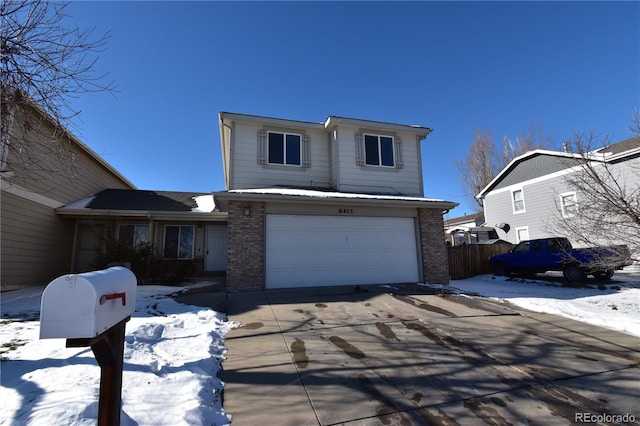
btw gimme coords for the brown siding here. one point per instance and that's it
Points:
(246, 242)
(435, 262)
(36, 244)
(53, 164)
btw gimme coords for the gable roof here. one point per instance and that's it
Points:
(624, 147)
(141, 203)
(534, 164)
(32, 106)
(542, 162)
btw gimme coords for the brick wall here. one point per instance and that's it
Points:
(246, 253)
(435, 261)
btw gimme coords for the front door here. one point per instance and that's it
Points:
(216, 249)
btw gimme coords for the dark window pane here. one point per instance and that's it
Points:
(293, 149)
(371, 150)
(125, 236)
(276, 148)
(386, 149)
(186, 242)
(171, 234)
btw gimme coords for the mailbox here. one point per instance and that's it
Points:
(86, 305)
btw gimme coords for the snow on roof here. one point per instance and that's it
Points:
(314, 193)
(205, 203)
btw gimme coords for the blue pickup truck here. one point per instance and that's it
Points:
(557, 254)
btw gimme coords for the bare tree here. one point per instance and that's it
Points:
(45, 63)
(484, 161)
(606, 207)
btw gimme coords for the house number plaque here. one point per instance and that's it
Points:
(345, 211)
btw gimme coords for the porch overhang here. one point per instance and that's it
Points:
(222, 198)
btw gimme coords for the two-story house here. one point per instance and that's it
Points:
(333, 203)
(306, 204)
(526, 199)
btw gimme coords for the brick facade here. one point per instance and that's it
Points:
(435, 260)
(246, 252)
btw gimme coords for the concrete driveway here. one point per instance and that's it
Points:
(407, 355)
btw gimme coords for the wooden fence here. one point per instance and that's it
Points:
(469, 260)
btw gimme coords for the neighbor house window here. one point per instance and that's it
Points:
(133, 236)
(522, 233)
(284, 148)
(178, 242)
(378, 150)
(517, 197)
(568, 204)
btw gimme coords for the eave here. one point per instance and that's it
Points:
(223, 197)
(142, 214)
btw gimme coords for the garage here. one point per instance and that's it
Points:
(307, 251)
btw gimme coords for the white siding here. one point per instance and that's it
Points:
(247, 173)
(370, 179)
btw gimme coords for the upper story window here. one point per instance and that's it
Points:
(378, 150)
(568, 204)
(282, 148)
(517, 197)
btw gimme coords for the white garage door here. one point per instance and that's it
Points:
(305, 251)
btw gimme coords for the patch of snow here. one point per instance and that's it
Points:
(168, 346)
(616, 306)
(205, 203)
(327, 194)
(80, 204)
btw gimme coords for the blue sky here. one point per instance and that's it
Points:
(452, 66)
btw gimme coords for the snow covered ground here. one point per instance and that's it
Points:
(173, 351)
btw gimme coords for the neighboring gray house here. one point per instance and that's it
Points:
(531, 193)
(332, 203)
(467, 229)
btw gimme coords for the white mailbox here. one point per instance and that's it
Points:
(86, 305)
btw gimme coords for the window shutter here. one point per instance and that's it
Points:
(262, 147)
(359, 149)
(398, 152)
(306, 151)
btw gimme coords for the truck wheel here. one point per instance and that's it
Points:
(603, 275)
(500, 269)
(574, 273)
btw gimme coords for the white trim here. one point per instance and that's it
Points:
(513, 201)
(29, 195)
(562, 204)
(521, 228)
(508, 167)
(534, 180)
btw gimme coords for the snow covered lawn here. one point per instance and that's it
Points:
(614, 305)
(173, 351)
(172, 355)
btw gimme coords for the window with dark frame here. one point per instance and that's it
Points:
(178, 241)
(284, 148)
(378, 150)
(133, 236)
